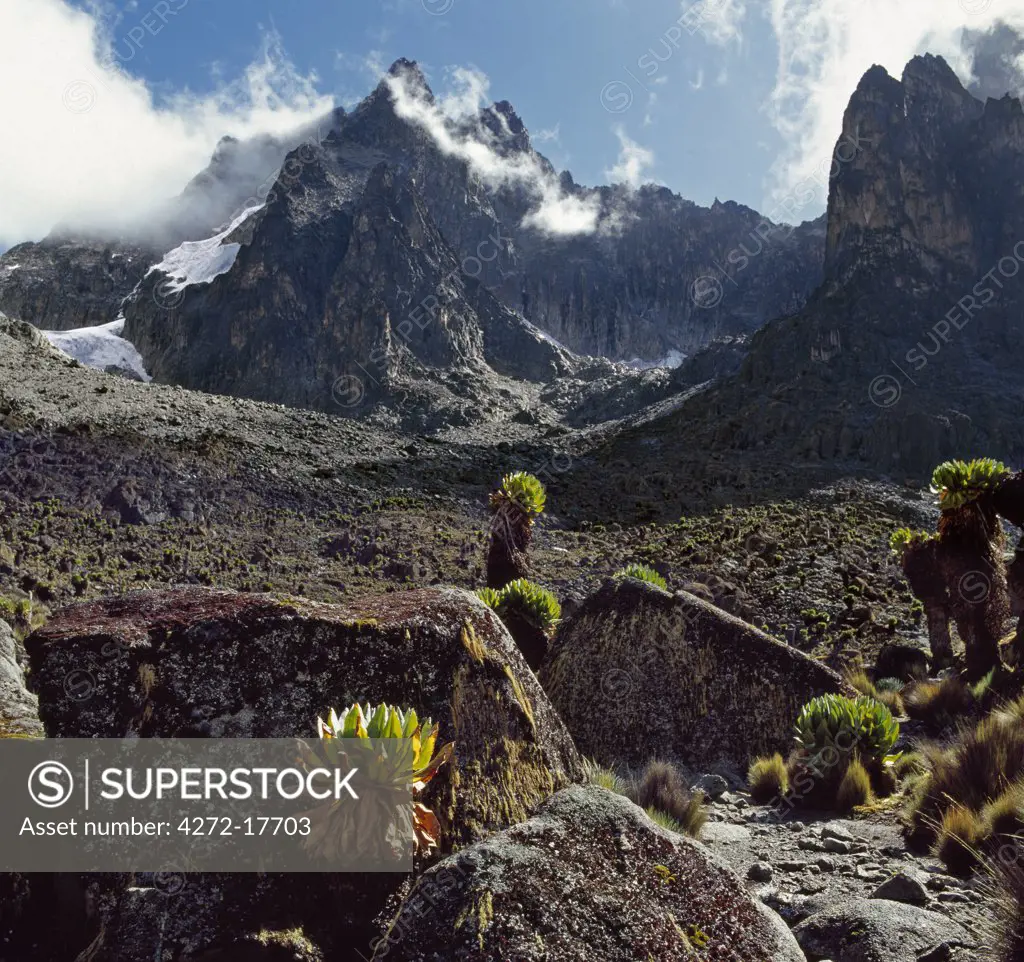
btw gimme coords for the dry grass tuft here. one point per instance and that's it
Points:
(768, 779)
(662, 787)
(855, 788)
(938, 703)
(960, 836)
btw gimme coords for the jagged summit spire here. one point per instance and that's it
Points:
(409, 69)
(933, 68)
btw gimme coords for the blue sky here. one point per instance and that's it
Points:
(739, 99)
(576, 67)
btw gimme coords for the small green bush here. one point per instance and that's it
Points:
(643, 573)
(490, 597)
(523, 490)
(902, 537)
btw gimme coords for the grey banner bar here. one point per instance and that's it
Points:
(206, 805)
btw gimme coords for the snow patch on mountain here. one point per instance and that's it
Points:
(100, 347)
(671, 360)
(199, 262)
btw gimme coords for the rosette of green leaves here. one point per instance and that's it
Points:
(394, 752)
(902, 537)
(643, 573)
(847, 725)
(535, 604)
(522, 490)
(958, 482)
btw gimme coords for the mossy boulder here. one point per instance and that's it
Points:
(638, 673)
(197, 663)
(589, 877)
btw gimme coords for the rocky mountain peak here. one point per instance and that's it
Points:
(934, 93)
(907, 173)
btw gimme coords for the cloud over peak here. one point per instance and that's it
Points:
(97, 148)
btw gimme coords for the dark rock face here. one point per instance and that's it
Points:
(414, 277)
(64, 283)
(71, 280)
(681, 678)
(675, 278)
(878, 930)
(590, 877)
(225, 664)
(910, 352)
(330, 296)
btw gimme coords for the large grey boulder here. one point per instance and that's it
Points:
(589, 877)
(197, 663)
(639, 673)
(878, 930)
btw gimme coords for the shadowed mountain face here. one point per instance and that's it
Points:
(911, 350)
(660, 275)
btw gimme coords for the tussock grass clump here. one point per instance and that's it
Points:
(603, 777)
(859, 680)
(960, 836)
(643, 573)
(768, 779)
(1006, 890)
(665, 821)
(1003, 818)
(938, 703)
(660, 791)
(854, 788)
(662, 787)
(981, 773)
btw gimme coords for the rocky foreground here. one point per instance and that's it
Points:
(210, 538)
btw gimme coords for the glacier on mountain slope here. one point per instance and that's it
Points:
(100, 347)
(199, 262)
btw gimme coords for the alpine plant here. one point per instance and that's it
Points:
(514, 507)
(643, 573)
(846, 725)
(394, 752)
(971, 556)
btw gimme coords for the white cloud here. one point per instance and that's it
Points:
(698, 81)
(719, 21)
(450, 122)
(89, 145)
(632, 164)
(825, 47)
(551, 135)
